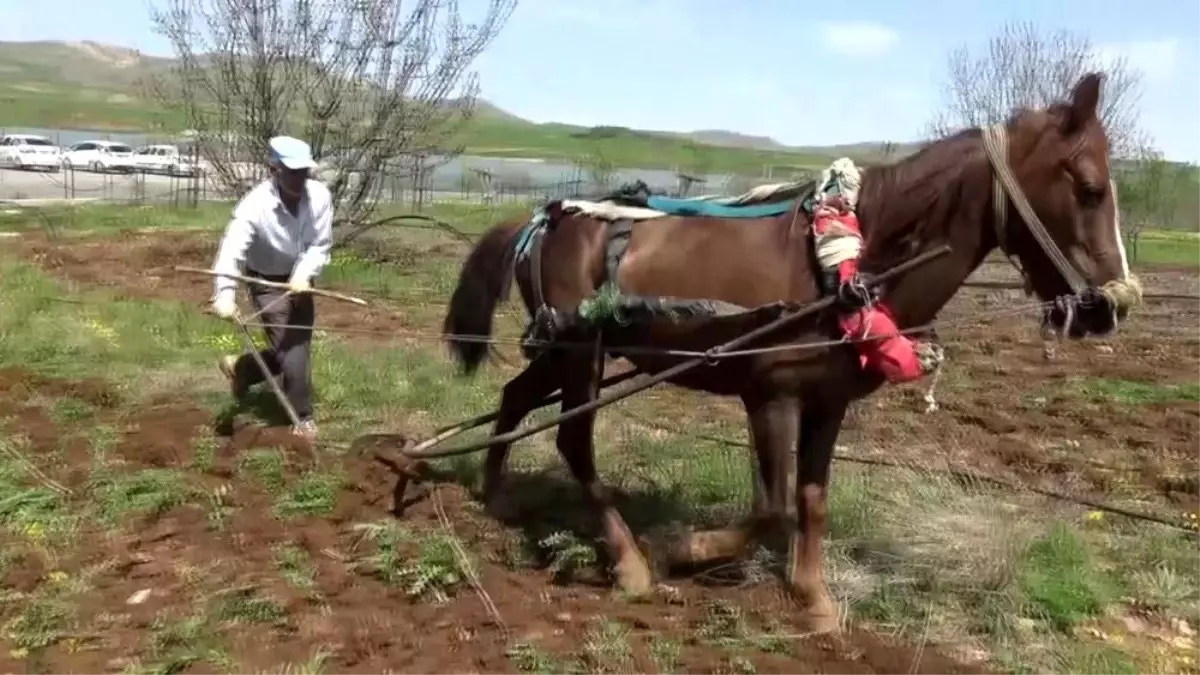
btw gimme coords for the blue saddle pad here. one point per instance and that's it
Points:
(700, 207)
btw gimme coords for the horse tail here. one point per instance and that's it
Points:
(482, 282)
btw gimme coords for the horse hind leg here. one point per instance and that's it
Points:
(580, 384)
(773, 432)
(520, 396)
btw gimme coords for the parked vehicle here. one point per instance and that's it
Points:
(165, 159)
(27, 151)
(100, 156)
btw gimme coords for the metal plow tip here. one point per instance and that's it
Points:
(388, 450)
(399, 442)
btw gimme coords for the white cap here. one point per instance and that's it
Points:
(292, 152)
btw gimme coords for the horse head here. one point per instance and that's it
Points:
(1067, 235)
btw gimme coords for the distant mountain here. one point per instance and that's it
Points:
(38, 66)
(113, 74)
(729, 139)
(732, 139)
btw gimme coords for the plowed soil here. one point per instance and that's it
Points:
(1005, 411)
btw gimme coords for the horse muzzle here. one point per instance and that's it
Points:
(1097, 311)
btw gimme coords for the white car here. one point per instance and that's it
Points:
(26, 151)
(164, 159)
(99, 156)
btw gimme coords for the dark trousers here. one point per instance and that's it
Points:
(289, 350)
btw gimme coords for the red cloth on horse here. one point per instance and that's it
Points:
(873, 327)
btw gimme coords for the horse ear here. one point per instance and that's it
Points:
(1085, 100)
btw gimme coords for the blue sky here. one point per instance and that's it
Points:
(802, 72)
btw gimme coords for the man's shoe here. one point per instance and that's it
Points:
(228, 366)
(307, 430)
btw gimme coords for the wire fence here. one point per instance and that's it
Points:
(415, 179)
(469, 184)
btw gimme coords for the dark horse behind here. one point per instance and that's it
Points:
(1037, 187)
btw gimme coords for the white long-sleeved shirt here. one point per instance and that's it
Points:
(264, 236)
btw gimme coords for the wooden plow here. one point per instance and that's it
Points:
(409, 461)
(248, 339)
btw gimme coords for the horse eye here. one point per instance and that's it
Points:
(1090, 196)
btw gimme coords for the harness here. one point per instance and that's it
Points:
(1004, 186)
(608, 302)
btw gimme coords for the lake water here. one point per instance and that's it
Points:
(510, 174)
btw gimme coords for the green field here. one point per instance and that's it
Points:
(488, 135)
(1029, 585)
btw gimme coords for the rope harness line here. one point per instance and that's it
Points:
(788, 318)
(995, 144)
(653, 351)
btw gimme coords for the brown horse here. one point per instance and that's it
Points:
(1054, 212)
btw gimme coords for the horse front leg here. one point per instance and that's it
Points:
(820, 424)
(520, 396)
(581, 384)
(1050, 337)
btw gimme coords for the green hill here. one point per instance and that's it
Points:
(87, 85)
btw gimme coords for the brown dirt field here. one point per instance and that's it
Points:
(1005, 412)
(1009, 412)
(365, 625)
(141, 265)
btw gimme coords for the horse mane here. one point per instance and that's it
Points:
(922, 197)
(919, 198)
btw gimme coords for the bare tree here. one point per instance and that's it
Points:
(376, 86)
(1025, 67)
(1150, 193)
(599, 169)
(698, 159)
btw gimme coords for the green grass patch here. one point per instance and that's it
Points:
(267, 467)
(296, 567)
(106, 217)
(1164, 247)
(424, 564)
(31, 507)
(111, 218)
(918, 554)
(1132, 392)
(149, 492)
(1061, 579)
(247, 605)
(177, 644)
(313, 494)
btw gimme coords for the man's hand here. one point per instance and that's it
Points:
(299, 285)
(225, 307)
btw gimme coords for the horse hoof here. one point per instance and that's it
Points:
(500, 508)
(653, 549)
(823, 623)
(635, 579)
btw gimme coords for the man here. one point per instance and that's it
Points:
(280, 231)
(838, 241)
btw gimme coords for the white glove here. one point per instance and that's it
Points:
(225, 306)
(299, 285)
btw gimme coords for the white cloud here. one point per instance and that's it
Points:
(1155, 58)
(858, 38)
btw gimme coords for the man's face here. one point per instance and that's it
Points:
(290, 181)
